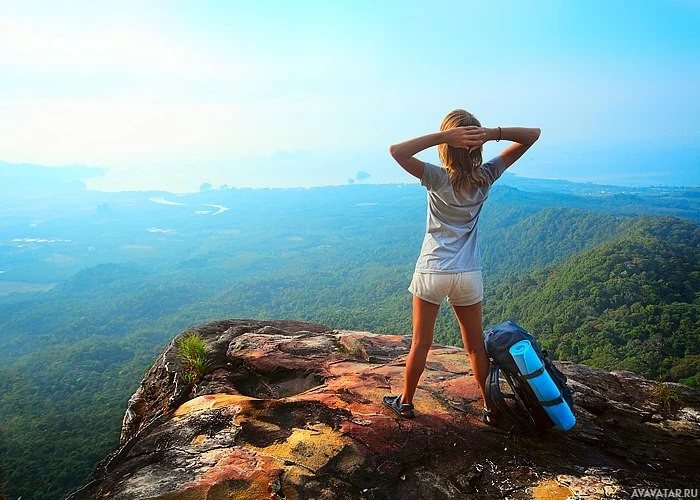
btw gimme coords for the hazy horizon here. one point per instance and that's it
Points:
(98, 179)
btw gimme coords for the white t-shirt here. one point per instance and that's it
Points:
(450, 244)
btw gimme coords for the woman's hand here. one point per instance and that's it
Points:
(471, 137)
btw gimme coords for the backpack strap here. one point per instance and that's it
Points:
(537, 373)
(534, 374)
(496, 399)
(551, 402)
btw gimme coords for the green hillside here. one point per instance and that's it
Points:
(631, 303)
(548, 236)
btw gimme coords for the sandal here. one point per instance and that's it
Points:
(403, 410)
(488, 417)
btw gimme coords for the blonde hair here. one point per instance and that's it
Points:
(464, 167)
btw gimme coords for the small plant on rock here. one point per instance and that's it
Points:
(192, 353)
(666, 396)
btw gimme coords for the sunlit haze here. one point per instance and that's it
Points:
(169, 95)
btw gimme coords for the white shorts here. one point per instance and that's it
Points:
(461, 289)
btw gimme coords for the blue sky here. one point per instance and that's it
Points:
(167, 95)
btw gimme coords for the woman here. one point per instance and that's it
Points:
(450, 263)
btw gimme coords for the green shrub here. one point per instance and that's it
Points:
(192, 353)
(666, 396)
(693, 381)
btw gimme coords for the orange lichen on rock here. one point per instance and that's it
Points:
(551, 490)
(237, 471)
(207, 402)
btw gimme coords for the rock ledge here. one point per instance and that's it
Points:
(292, 410)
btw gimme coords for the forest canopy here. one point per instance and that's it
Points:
(597, 279)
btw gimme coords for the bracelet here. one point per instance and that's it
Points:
(499, 134)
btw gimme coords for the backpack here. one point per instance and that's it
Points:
(508, 394)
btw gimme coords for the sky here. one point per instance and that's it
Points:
(172, 94)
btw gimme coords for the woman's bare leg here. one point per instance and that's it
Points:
(424, 316)
(470, 324)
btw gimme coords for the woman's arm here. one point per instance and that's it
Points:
(459, 137)
(522, 137)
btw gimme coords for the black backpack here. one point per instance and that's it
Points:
(509, 396)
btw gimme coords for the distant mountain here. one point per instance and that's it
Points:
(24, 177)
(63, 173)
(584, 188)
(548, 236)
(679, 202)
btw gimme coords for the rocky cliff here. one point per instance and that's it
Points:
(292, 410)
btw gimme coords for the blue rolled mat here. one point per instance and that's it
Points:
(542, 385)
